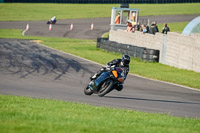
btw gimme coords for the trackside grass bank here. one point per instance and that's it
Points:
(87, 49)
(21, 11)
(174, 27)
(29, 115)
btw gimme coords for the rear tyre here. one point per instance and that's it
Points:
(87, 91)
(106, 87)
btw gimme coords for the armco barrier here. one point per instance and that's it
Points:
(143, 53)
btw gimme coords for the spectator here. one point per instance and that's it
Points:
(165, 29)
(117, 19)
(147, 27)
(130, 28)
(154, 28)
(137, 26)
(143, 29)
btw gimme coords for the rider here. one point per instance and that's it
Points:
(123, 63)
(53, 20)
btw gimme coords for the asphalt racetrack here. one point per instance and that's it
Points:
(30, 69)
(82, 27)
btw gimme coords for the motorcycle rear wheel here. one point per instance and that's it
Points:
(105, 88)
(87, 90)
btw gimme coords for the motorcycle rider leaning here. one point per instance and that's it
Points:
(123, 63)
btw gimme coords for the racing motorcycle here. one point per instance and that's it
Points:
(51, 22)
(106, 82)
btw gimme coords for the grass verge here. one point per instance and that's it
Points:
(21, 114)
(174, 27)
(27, 11)
(87, 49)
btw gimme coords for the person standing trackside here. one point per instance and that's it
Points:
(129, 27)
(165, 29)
(117, 19)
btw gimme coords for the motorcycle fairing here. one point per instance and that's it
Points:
(99, 80)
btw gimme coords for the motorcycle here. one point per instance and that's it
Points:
(51, 22)
(106, 82)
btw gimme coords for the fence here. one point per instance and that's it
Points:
(101, 1)
(176, 50)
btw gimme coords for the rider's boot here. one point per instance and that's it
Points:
(119, 88)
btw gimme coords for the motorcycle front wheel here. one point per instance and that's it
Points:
(87, 90)
(106, 87)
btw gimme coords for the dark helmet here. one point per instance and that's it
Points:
(125, 59)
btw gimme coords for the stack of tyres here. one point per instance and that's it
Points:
(153, 55)
(110, 48)
(149, 55)
(117, 47)
(102, 45)
(98, 42)
(105, 44)
(124, 48)
(131, 50)
(101, 42)
(140, 52)
(113, 46)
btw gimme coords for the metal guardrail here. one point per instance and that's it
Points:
(149, 55)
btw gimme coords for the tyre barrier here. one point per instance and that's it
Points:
(149, 55)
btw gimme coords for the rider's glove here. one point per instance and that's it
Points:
(113, 66)
(107, 67)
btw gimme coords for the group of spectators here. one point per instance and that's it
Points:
(146, 29)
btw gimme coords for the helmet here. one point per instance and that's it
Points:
(125, 59)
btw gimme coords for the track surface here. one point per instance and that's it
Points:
(29, 69)
(82, 27)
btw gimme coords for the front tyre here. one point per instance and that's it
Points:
(87, 90)
(106, 87)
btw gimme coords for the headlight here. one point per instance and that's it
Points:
(121, 80)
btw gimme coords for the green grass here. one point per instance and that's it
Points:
(20, 114)
(87, 49)
(14, 12)
(29, 115)
(174, 27)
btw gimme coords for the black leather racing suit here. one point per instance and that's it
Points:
(118, 63)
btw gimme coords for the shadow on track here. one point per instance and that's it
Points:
(150, 100)
(24, 58)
